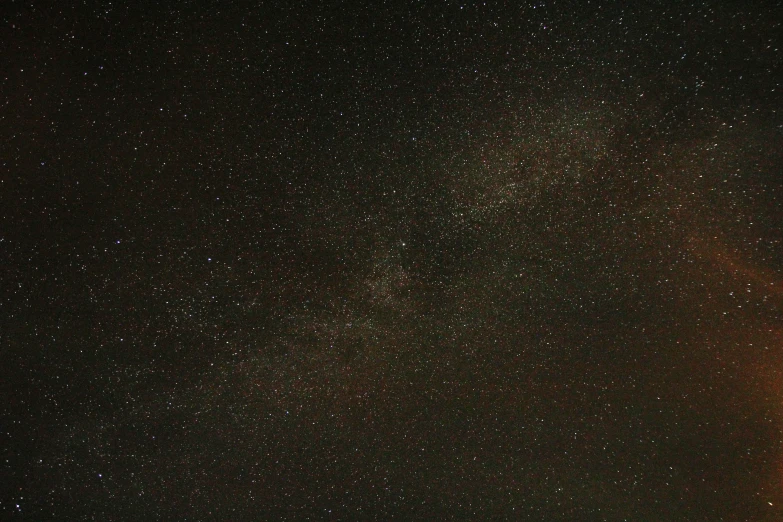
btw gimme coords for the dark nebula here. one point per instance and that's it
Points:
(407, 260)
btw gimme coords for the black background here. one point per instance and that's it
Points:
(416, 260)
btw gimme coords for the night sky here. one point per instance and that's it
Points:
(391, 260)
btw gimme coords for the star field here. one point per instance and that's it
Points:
(391, 260)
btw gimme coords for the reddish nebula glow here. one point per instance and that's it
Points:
(729, 260)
